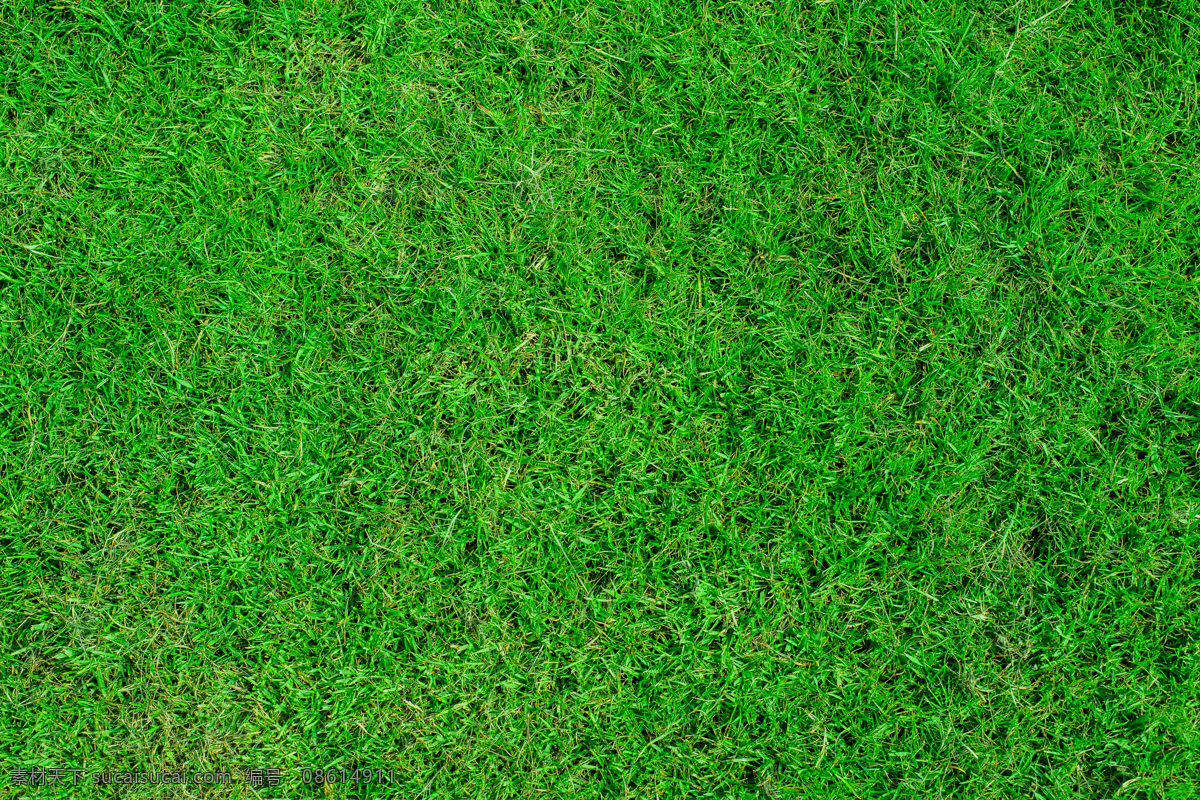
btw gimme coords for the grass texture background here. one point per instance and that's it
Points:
(600, 400)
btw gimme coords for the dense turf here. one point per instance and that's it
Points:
(603, 399)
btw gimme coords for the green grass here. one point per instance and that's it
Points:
(603, 400)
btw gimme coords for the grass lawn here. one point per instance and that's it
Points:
(588, 399)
